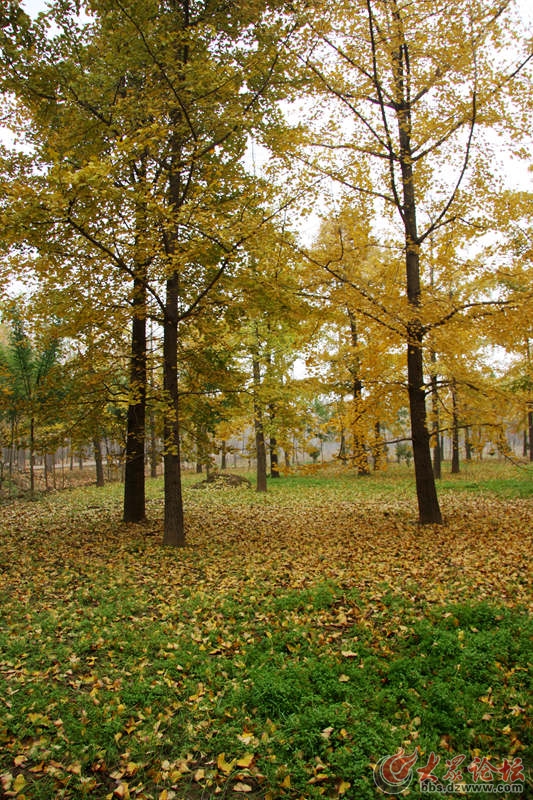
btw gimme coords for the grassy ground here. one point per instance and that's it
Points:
(298, 639)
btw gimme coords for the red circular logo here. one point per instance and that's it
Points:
(394, 773)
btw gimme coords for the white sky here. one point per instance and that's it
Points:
(34, 6)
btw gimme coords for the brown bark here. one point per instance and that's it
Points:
(437, 453)
(274, 458)
(153, 447)
(32, 456)
(134, 478)
(378, 449)
(359, 456)
(260, 447)
(455, 432)
(174, 529)
(428, 504)
(174, 525)
(98, 460)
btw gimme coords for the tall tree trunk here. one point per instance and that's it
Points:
(32, 456)
(153, 447)
(202, 448)
(437, 453)
(12, 448)
(98, 460)
(260, 447)
(174, 524)
(380, 456)
(342, 448)
(455, 432)
(223, 456)
(468, 444)
(134, 473)
(530, 428)
(134, 478)
(360, 459)
(273, 444)
(274, 460)
(174, 528)
(426, 492)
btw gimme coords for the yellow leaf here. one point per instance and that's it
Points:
(322, 776)
(344, 678)
(286, 782)
(246, 760)
(223, 765)
(343, 787)
(199, 775)
(19, 783)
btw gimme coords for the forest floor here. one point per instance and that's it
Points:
(301, 638)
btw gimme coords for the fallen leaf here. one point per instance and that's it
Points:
(246, 760)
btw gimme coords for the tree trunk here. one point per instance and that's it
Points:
(359, 457)
(98, 460)
(428, 504)
(273, 444)
(223, 454)
(12, 449)
(174, 529)
(437, 452)
(202, 448)
(342, 448)
(530, 428)
(380, 456)
(260, 447)
(468, 444)
(153, 448)
(134, 478)
(274, 461)
(32, 456)
(455, 432)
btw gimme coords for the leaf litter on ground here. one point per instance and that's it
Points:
(299, 637)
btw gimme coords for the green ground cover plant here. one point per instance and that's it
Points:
(298, 639)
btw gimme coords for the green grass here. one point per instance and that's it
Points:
(118, 681)
(298, 639)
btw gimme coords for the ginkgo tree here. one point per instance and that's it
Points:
(272, 321)
(408, 90)
(512, 257)
(349, 271)
(140, 115)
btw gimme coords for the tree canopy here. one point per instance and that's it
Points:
(132, 196)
